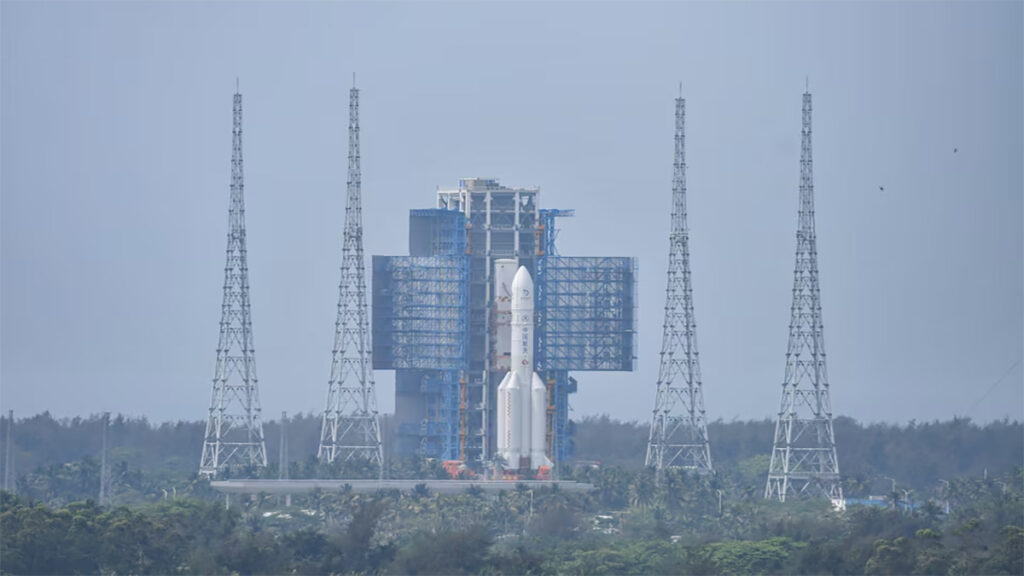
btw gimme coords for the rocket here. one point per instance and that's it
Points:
(522, 397)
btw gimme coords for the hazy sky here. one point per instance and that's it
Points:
(115, 165)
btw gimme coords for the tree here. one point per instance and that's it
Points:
(1008, 556)
(449, 552)
(642, 490)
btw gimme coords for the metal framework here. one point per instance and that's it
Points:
(585, 320)
(234, 429)
(438, 431)
(420, 313)
(437, 232)
(559, 429)
(501, 222)
(351, 428)
(420, 321)
(559, 383)
(585, 313)
(679, 434)
(282, 454)
(547, 232)
(804, 461)
(10, 480)
(105, 484)
(419, 329)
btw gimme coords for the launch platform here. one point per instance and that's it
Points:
(437, 486)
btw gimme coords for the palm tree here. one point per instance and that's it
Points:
(641, 491)
(501, 510)
(670, 490)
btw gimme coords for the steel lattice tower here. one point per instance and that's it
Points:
(234, 430)
(679, 435)
(804, 460)
(10, 479)
(104, 470)
(350, 426)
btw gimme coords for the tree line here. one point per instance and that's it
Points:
(629, 524)
(57, 460)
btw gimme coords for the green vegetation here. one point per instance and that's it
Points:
(164, 520)
(668, 529)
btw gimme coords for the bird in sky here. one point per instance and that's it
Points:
(882, 188)
(954, 150)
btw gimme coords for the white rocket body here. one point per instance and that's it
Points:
(522, 397)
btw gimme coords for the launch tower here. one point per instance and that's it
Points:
(440, 318)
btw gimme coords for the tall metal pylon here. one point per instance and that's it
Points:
(350, 426)
(104, 469)
(282, 459)
(804, 461)
(282, 466)
(234, 429)
(679, 434)
(10, 479)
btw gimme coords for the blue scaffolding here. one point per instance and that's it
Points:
(420, 327)
(439, 429)
(431, 314)
(586, 313)
(585, 320)
(419, 315)
(547, 231)
(437, 232)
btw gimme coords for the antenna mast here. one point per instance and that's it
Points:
(10, 482)
(350, 426)
(104, 473)
(679, 435)
(234, 429)
(804, 461)
(282, 472)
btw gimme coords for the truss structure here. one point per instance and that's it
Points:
(234, 429)
(804, 461)
(351, 428)
(679, 434)
(585, 313)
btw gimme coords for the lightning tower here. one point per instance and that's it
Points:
(234, 430)
(350, 425)
(804, 461)
(10, 479)
(679, 434)
(104, 469)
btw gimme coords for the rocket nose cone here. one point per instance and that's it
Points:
(522, 280)
(522, 289)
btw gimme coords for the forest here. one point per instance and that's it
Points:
(942, 498)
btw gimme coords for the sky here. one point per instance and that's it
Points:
(115, 144)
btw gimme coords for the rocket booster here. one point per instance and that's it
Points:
(522, 397)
